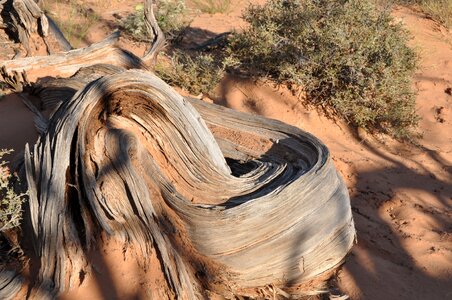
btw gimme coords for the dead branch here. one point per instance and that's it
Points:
(156, 34)
(68, 63)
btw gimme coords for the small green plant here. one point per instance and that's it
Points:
(10, 200)
(134, 25)
(172, 16)
(350, 58)
(196, 75)
(212, 6)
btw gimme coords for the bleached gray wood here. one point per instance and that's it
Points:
(22, 18)
(156, 34)
(68, 63)
(10, 284)
(144, 162)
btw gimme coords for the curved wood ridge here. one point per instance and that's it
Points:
(230, 202)
(68, 63)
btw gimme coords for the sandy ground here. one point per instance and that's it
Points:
(401, 195)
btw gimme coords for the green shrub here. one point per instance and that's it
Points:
(172, 16)
(10, 200)
(349, 57)
(134, 25)
(196, 75)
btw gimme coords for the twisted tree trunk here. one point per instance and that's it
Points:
(230, 203)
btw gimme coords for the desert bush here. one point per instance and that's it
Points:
(196, 75)
(212, 6)
(134, 25)
(10, 200)
(172, 16)
(349, 57)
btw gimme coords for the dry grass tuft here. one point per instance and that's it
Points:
(10, 199)
(200, 74)
(212, 6)
(77, 20)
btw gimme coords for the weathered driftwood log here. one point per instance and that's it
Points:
(230, 202)
(68, 63)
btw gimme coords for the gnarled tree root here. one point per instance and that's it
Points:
(230, 202)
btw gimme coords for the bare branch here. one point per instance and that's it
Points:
(157, 36)
(68, 63)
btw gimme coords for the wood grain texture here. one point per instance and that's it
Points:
(22, 18)
(231, 202)
(66, 64)
(10, 283)
(155, 33)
